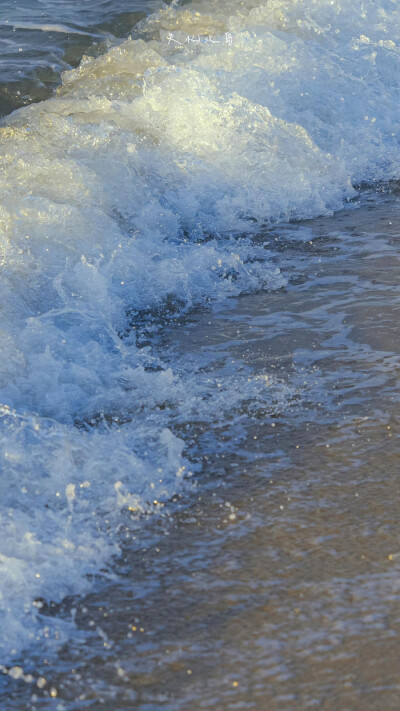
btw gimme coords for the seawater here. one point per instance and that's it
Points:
(39, 39)
(151, 185)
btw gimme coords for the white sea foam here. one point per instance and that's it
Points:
(130, 192)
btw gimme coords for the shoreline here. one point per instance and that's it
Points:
(275, 581)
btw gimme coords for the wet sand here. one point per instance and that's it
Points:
(274, 583)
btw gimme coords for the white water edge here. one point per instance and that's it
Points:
(139, 187)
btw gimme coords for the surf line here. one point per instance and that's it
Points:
(65, 29)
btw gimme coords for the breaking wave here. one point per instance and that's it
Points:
(138, 190)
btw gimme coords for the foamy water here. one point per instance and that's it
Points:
(139, 191)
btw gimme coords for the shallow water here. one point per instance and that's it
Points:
(274, 583)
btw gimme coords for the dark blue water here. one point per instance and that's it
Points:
(39, 39)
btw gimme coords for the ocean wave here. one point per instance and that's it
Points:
(142, 187)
